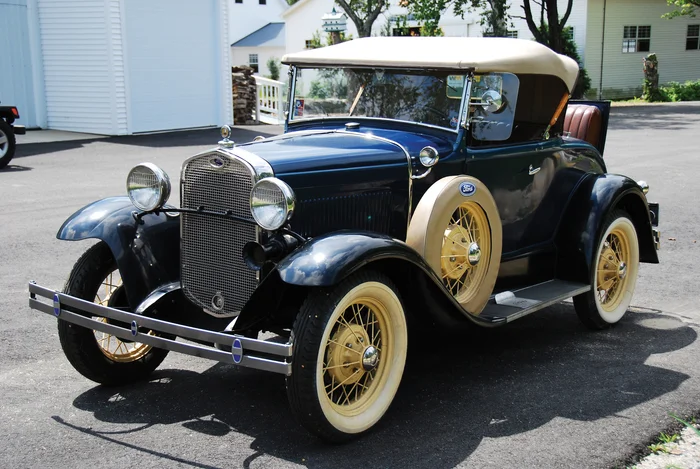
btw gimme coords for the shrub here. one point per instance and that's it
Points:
(674, 91)
(273, 65)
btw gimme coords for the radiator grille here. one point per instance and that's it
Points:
(212, 265)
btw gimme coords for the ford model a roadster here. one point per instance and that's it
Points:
(437, 179)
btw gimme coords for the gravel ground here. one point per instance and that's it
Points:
(682, 454)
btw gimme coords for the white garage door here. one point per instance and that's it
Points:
(15, 61)
(173, 65)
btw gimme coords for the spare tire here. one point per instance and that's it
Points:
(457, 229)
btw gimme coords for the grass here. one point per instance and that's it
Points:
(664, 439)
(690, 424)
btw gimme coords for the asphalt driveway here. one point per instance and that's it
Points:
(541, 392)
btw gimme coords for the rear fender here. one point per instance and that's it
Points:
(594, 200)
(146, 250)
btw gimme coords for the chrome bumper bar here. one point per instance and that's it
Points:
(244, 351)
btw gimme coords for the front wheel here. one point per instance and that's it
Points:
(613, 274)
(350, 345)
(98, 356)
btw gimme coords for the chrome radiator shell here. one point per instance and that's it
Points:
(213, 274)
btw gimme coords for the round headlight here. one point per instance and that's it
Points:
(272, 203)
(429, 157)
(148, 186)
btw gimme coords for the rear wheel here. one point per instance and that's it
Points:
(98, 356)
(349, 356)
(613, 274)
(7, 143)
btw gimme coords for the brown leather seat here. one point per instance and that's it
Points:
(583, 122)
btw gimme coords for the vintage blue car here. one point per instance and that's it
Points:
(419, 181)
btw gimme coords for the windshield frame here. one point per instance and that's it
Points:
(462, 117)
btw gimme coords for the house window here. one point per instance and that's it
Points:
(239, 1)
(692, 41)
(263, 2)
(511, 34)
(309, 44)
(253, 62)
(636, 39)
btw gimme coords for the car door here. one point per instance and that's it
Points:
(520, 178)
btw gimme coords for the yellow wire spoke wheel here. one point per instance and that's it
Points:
(613, 274)
(466, 241)
(353, 367)
(101, 357)
(350, 345)
(113, 347)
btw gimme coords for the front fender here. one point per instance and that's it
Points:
(594, 200)
(325, 261)
(328, 259)
(146, 250)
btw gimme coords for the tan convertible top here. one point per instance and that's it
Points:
(478, 53)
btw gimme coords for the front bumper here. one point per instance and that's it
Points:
(251, 353)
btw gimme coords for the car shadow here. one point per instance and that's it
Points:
(14, 168)
(657, 117)
(457, 389)
(184, 138)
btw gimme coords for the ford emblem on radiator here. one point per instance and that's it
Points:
(216, 162)
(217, 302)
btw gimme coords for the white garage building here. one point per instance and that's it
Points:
(116, 67)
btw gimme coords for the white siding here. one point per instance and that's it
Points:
(622, 72)
(16, 86)
(78, 42)
(226, 98)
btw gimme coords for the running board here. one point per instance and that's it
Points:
(510, 305)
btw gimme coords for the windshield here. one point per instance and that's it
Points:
(428, 98)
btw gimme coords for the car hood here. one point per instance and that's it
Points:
(331, 149)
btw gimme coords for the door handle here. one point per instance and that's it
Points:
(532, 171)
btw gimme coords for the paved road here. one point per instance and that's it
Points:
(542, 392)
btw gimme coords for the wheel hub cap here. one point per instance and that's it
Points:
(622, 270)
(370, 358)
(474, 254)
(345, 353)
(457, 252)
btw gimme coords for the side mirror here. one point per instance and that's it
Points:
(492, 101)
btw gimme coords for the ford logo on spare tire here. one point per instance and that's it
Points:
(467, 189)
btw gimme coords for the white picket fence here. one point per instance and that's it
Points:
(270, 103)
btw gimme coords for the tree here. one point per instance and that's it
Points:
(363, 13)
(553, 33)
(494, 14)
(550, 30)
(681, 8)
